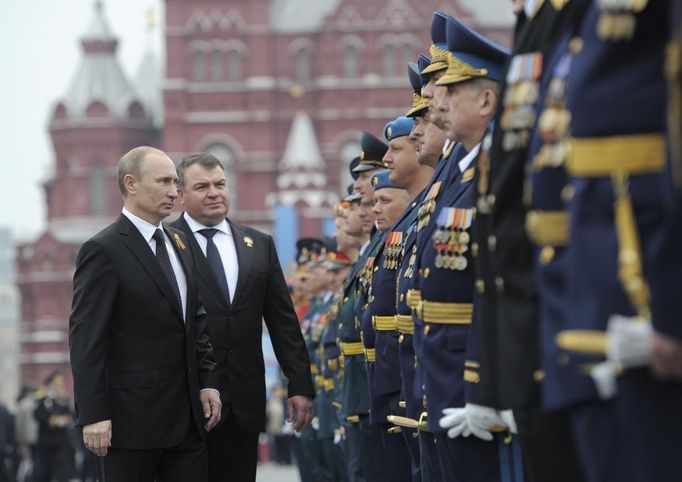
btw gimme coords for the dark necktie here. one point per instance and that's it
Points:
(214, 261)
(164, 260)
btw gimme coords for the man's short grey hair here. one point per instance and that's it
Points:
(482, 84)
(132, 163)
(204, 159)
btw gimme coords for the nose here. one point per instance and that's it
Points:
(173, 193)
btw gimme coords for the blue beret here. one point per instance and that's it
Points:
(473, 56)
(380, 180)
(399, 127)
(373, 152)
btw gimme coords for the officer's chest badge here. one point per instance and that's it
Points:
(393, 250)
(428, 206)
(523, 90)
(451, 238)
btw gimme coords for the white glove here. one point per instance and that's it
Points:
(338, 438)
(477, 420)
(482, 420)
(288, 428)
(628, 345)
(315, 424)
(508, 417)
(628, 341)
(454, 419)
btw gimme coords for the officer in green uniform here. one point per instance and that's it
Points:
(365, 450)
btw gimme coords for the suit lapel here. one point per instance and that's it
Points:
(137, 245)
(244, 257)
(203, 269)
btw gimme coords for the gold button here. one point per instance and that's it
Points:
(401, 338)
(424, 401)
(345, 300)
(546, 255)
(427, 328)
(402, 296)
(480, 286)
(567, 193)
(427, 272)
(492, 243)
(576, 45)
(376, 268)
(499, 284)
(563, 359)
(474, 249)
(538, 375)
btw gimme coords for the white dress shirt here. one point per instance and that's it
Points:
(224, 241)
(471, 155)
(147, 230)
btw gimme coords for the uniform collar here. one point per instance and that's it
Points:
(471, 155)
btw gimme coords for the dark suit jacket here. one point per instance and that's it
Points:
(134, 360)
(236, 330)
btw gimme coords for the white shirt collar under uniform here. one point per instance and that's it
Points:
(471, 155)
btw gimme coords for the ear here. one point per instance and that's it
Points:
(129, 183)
(488, 102)
(181, 195)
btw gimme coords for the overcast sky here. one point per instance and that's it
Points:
(39, 51)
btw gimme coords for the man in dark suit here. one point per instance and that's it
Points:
(241, 284)
(140, 354)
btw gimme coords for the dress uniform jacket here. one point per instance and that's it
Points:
(619, 221)
(442, 349)
(448, 355)
(355, 397)
(506, 287)
(379, 322)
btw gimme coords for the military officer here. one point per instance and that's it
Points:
(378, 319)
(622, 277)
(445, 277)
(365, 449)
(348, 233)
(306, 447)
(435, 150)
(510, 319)
(53, 454)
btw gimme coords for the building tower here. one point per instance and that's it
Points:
(100, 117)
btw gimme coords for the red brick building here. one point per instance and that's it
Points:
(279, 90)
